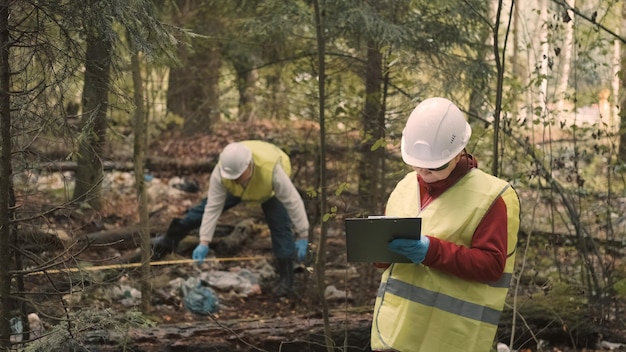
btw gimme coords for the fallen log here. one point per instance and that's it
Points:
(286, 334)
(130, 237)
(152, 163)
(121, 238)
(228, 239)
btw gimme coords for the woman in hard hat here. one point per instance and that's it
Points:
(250, 171)
(450, 297)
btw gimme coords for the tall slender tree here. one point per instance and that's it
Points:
(622, 76)
(140, 125)
(6, 201)
(371, 169)
(319, 14)
(95, 102)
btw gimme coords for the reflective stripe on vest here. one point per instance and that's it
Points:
(259, 188)
(441, 301)
(423, 309)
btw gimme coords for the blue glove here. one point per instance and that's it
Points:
(301, 248)
(200, 253)
(415, 250)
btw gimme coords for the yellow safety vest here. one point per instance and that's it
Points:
(422, 309)
(265, 157)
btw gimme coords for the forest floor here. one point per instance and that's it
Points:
(350, 288)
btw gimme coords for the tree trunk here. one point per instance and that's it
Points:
(95, 103)
(566, 57)
(275, 87)
(544, 55)
(246, 85)
(485, 55)
(5, 179)
(614, 99)
(622, 111)
(193, 91)
(370, 165)
(517, 68)
(320, 258)
(139, 155)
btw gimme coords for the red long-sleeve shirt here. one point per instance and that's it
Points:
(485, 259)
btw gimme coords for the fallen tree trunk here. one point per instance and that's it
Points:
(228, 239)
(152, 163)
(286, 334)
(129, 237)
(121, 238)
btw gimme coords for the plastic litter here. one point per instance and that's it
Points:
(127, 295)
(185, 185)
(37, 328)
(198, 298)
(611, 346)
(17, 328)
(503, 347)
(242, 282)
(331, 293)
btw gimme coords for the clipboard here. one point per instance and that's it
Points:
(367, 238)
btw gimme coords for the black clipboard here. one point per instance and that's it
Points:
(367, 238)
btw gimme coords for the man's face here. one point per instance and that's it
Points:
(245, 177)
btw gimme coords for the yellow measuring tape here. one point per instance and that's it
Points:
(136, 265)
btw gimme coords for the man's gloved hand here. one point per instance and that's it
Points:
(301, 248)
(413, 249)
(201, 251)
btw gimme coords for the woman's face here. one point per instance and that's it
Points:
(438, 174)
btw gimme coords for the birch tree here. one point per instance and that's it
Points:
(565, 54)
(622, 76)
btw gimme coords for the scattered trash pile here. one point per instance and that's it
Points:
(198, 292)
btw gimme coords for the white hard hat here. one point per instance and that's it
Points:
(234, 160)
(434, 134)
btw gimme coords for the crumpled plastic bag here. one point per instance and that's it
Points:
(242, 282)
(198, 298)
(16, 329)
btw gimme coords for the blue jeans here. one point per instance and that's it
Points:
(276, 216)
